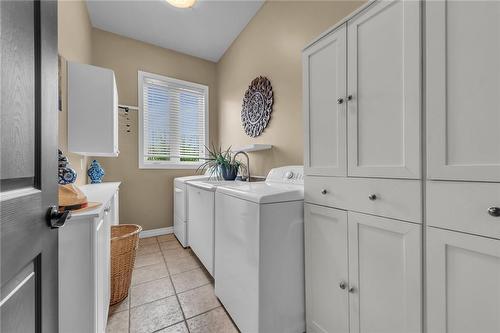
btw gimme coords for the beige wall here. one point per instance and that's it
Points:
(74, 38)
(271, 46)
(146, 196)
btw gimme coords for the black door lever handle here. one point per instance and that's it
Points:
(494, 211)
(57, 219)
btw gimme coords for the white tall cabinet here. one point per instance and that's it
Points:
(362, 118)
(463, 166)
(395, 211)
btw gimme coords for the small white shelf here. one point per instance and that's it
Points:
(252, 147)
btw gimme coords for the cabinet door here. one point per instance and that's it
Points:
(105, 238)
(201, 225)
(463, 85)
(100, 276)
(324, 76)
(384, 274)
(326, 269)
(115, 215)
(384, 85)
(463, 283)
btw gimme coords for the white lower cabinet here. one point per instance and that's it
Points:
(463, 283)
(84, 262)
(326, 269)
(385, 276)
(363, 273)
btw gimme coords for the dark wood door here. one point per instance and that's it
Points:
(28, 166)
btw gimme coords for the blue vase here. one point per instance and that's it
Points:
(66, 174)
(95, 172)
(229, 172)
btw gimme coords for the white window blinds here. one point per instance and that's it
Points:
(174, 121)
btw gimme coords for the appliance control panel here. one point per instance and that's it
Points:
(287, 175)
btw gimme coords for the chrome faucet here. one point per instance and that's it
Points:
(248, 162)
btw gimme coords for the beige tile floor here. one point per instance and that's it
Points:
(171, 293)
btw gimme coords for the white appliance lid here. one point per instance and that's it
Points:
(189, 178)
(281, 185)
(211, 185)
(264, 192)
(184, 179)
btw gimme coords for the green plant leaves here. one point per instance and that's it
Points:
(216, 157)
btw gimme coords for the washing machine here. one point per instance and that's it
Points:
(201, 218)
(181, 206)
(259, 252)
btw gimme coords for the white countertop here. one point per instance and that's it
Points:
(97, 193)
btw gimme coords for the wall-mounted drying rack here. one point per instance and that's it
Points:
(126, 109)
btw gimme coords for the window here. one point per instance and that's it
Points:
(173, 122)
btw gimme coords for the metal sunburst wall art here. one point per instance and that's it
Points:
(257, 106)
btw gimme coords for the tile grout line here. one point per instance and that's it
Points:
(177, 323)
(182, 292)
(175, 292)
(203, 285)
(130, 294)
(191, 289)
(205, 312)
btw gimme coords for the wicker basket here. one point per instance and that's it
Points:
(124, 243)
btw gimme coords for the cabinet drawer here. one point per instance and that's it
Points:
(463, 206)
(398, 199)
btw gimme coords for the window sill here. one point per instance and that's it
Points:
(177, 166)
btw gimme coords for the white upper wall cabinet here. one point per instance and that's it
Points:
(384, 75)
(92, 110)
(324, 77)
(463, 90)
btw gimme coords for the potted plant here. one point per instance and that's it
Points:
(221, 163)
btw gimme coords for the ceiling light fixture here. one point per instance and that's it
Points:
(182, 3)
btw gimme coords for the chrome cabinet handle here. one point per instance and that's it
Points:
(324, 191)
(342, 285)
(352, 290)
(494, 211)
(372, 197)
(340, 100)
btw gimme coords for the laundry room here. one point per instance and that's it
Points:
(253, 166)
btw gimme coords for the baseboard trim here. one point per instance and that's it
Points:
(156, 232)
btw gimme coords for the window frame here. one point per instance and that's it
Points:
(141, 75)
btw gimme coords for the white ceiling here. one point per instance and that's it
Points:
(206, 30)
